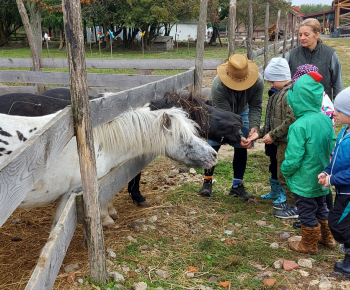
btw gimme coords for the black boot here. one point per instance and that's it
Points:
(239, 191)
(205, 191)
(343, 266)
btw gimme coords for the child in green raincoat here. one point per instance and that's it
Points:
(310, 142)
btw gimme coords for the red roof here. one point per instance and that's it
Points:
(296, 10)
(320, 13)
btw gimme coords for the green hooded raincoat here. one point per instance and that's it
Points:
(310, 139)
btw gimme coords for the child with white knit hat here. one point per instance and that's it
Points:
(279, 116)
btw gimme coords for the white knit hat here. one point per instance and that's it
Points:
(342, 102)
(277, 70)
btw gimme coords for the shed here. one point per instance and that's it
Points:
(163, 43)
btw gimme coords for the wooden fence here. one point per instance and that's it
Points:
(26, 165)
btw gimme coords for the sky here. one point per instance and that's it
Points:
(300, 2)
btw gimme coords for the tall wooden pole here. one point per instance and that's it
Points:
(277, 31)
(232, 27)
(293, 31)
(266, 42)
(201, 32)
(250, 31)
(83, 131)
(285, 35)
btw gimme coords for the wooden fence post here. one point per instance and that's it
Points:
(293, 31)
(201, 32)
(285, 35)
(232, 27)
(250, 31)
(266, 42)
(276, 31)
(83, 131)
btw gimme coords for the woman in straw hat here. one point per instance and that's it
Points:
(238, 88)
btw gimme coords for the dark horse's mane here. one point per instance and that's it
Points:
(198, 109)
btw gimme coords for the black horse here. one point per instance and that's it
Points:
(215, 124)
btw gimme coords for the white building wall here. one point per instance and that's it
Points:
(185, 31)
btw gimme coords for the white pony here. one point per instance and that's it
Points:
(164, 132)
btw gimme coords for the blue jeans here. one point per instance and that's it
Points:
(245, 130)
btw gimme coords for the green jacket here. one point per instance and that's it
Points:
(239, 101)
(310, 139)
(279, 116)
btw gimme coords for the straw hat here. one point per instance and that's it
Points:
(238, 73)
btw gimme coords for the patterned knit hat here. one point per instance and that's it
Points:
(303, 69)
(342, 102)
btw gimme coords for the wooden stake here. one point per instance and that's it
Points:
(250, 31)
(285, 36)
(232, 28)
(83, 130)
(201, 32)
(276, 31)
(266, 42)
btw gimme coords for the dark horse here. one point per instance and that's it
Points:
(215, 124)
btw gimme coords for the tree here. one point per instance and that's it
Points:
(10, 20)
(219, 10)
(314, 8)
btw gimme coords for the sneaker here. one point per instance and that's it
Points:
(297, 225)
(205, 191)
(280, 206)
(287, 213)
(239, 191)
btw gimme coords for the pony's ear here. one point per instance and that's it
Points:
(166, 121)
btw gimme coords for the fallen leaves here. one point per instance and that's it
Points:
(230, 242)
(192, 270)
(224, 284)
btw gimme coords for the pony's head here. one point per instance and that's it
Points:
(163, 132)
(183, 145)
(214, 123)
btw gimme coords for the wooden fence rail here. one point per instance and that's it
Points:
(99, 82)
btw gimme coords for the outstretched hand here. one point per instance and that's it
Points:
(267, 139)
(246, 143)
(323, 178)
(253, 137)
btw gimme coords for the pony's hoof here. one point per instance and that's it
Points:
(144, 204)
(108, 222)
(114, 215)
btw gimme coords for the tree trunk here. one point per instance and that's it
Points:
(83, 130)
(62, 40)
(35, 11)
(214, 35)
(31, 39)
(125, 38)
(3, 36)
(232, 28)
